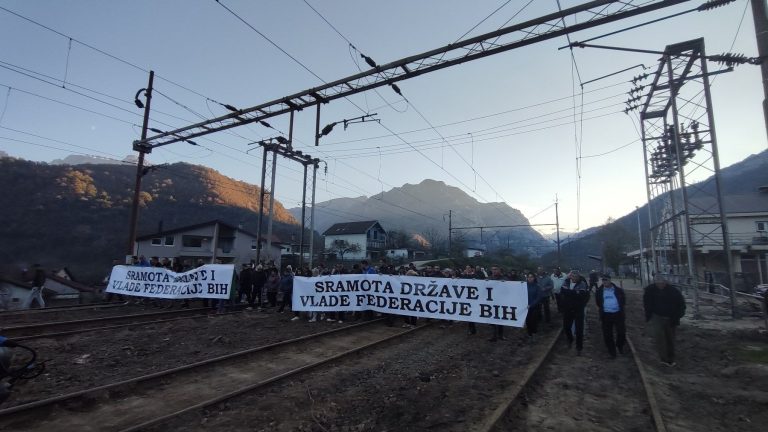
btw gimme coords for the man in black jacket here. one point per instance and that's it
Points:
(664, 306)
(610, 301)
(574, 296)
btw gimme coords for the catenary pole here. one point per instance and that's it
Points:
(139, 171)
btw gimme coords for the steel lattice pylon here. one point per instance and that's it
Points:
(268, 174)
(682, 167)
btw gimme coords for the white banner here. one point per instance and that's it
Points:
(481, 301)
(208, 281)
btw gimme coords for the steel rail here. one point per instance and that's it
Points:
(514, 393)
(658, 420)
(95, 329)
(268, 381)
(17, 312)
(36, 405)
(30, 329)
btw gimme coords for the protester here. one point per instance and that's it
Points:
(535, 295)
(593, 277)
(247, 276)
(36, 293)
(664, 306)
(574, 295)
(611, 301)
(558, 279)
(286, 288)
(272, 284)
(498, 330)
(546, 285)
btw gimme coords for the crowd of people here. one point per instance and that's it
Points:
(266, 287)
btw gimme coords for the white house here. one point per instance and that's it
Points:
(474, 251)
(207, 241)
(356, 240)
(58, 291)
(403, 254)
(747, 221)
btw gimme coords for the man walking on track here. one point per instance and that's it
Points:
(610, 301)
(574, 296)
(664, 306)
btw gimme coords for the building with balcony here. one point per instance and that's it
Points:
(208, 241)
(355, 240)
(747, 221)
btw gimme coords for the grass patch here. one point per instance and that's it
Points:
(752, 353)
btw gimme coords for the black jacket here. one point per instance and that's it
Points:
(578, 297)
(667, 302)
(620, 296)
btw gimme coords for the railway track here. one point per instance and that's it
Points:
(62, 328)
(141, 402)
(62, 314)
(53, 309)
(528, 405)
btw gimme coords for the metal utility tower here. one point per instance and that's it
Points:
(282, 147)
(682, 167)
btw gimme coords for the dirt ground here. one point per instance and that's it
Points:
(442, 379)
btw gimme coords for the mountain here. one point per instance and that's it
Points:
(739, 181)
(77, 216)
(83, 160)
(423, 209)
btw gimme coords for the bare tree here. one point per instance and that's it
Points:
(437, 240)
(341, 247)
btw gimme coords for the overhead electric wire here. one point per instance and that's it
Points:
(346, 98)
(435, 146)
(486, 18)
(479, 132)
(576, 134)
(11, 67)
(100, 51)
(611, 151)
(538, 104)
(422, 116)
(90, 97)
(68, 104)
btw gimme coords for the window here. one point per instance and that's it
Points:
(169, 240)
(190, 241)
(157, 241)
(762, 226)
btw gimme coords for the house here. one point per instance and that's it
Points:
(472, 251)
(57, 291)
(207, 241)
(355, 240)
(403, 254)
(747, 221)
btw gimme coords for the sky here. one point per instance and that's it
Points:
(509, 127)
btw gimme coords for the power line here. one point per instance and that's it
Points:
(29, 73)
(68, 104)
(486, 18)
(538, 104)
(402, 149)
(480, 132)
(357, 106)
(397, 90)
(100, 51)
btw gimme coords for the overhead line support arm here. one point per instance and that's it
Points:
(590, 14)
